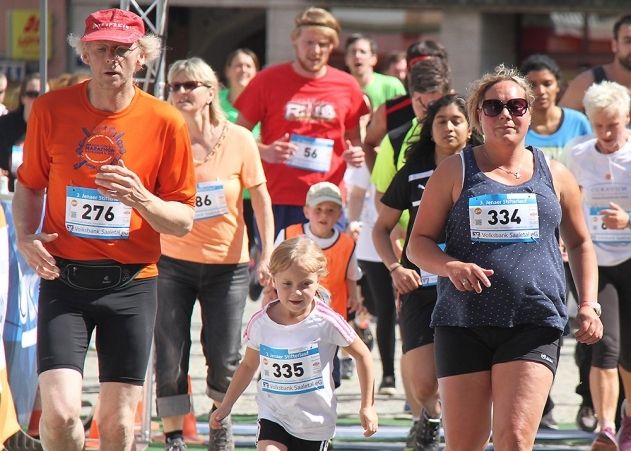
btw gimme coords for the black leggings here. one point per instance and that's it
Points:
(615, 346)
(378, 294)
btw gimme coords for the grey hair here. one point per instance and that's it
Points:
(607, 95)
(478, 89)
(198, 69)
(150, 44)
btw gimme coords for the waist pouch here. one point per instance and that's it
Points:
(97, 274)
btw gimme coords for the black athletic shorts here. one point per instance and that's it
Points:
(415, 316)
(462, 350)
(268, 430)
(123, 319)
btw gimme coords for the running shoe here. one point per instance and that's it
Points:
(175, 444)
(586, 419)
(428, 433)
(387, 386)
(21, 441)
(624, 434)
(347, 365)
(548, 422)
(221, 439)
(605, 441)
(410, 440)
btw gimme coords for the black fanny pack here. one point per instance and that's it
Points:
(97, 274)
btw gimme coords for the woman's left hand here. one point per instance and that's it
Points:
(262, 272)
(590, 328)
(615, 217)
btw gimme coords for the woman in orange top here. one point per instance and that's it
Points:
(211, 262)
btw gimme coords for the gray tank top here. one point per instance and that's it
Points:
(528, 286)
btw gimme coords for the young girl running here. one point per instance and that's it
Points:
(293, 340)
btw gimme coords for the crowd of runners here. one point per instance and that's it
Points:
(466, 219)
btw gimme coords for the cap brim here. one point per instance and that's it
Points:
(112, 35)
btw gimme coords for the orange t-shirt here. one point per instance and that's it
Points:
(222, 239)
(67, 140)
(338, 257)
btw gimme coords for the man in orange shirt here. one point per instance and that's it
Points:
(111, 188)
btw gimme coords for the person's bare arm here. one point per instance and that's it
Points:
(240, 381)
(580, 250)
(376, 130)
(262, 206)
(441, 191)
(279, 151)
(27, 207)
(367, 413)
(573, 96)
(354, 153)
(120, 183)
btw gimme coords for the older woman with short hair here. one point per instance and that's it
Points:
(210, 264)
(602, 167)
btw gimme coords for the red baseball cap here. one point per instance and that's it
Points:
(115, 25)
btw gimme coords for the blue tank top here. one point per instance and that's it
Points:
(528, 286)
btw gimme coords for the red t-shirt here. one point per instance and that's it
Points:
(285, 102)
(66, 137)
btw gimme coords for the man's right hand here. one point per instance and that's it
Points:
(279, 151)
(36, 255)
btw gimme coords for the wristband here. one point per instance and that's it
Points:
(394, 266)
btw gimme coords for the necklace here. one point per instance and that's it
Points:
(516, 173)
(218, 143)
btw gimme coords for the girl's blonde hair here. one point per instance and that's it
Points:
(301, 251)
(606, 96)
(199, 70)
(478, 89)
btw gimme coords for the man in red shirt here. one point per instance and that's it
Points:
(309, 114)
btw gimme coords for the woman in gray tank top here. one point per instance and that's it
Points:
(500, 310)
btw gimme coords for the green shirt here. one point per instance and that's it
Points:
(384, 170)
(382, 88)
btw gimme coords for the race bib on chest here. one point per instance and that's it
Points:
(291, 371)
(313, 154)
(92, 215)
(427, 278)
(210, 200)
(598, 198)
(504, 218)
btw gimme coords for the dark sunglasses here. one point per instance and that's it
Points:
(516, 107)
(187, 85)
(31, 94)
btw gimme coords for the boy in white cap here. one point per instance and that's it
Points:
(323, 208)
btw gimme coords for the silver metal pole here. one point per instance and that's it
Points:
(43, 44)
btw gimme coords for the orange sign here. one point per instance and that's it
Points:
(24, 34)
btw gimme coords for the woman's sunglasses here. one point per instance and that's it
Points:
(516, 107)
(187, 85)
(31, 94)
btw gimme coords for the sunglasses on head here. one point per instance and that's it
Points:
(516, 107)
(31, 94)
(187, 85)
